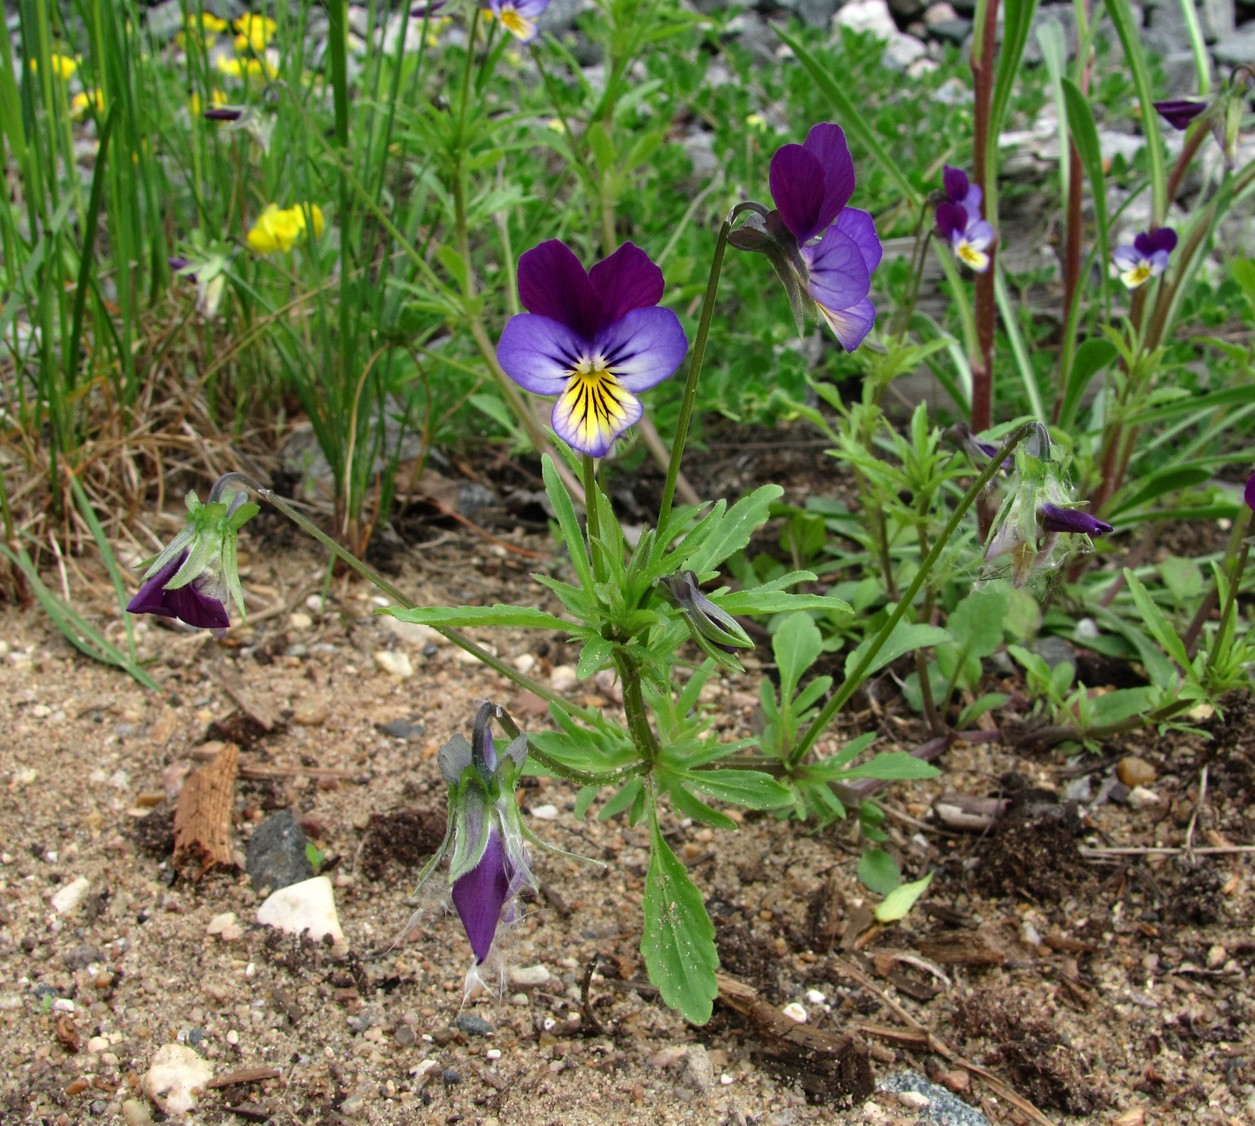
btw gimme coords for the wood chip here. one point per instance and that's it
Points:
(245, 1075)
(830, 1067)
(202, 817)
(964, 948)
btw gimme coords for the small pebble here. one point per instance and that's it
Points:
(307, 906)
(404, 1035)
(796, 1012)
(472, 1025)
(175, 1079)
(528, 977)
(545, 812)
(564, 678)
(1216, 957)
(1134, 772)
(1142, 798)
(394, 663)
(70, 898)
(300, 620)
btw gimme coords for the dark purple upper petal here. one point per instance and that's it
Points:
(186, 603)
(627, 280)
(480, 895)
(1179, 112)
(951, 219)
(553, 284)
(956, 184)
(1161, 238)
(1249, 494)
(1056, 519)
(797, 186)
(826, 142)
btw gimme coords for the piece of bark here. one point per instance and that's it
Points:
(830, 1068)
(967, 812)
(963, 948)
(202, 817)
(245, 1075)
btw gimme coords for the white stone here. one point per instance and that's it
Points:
(394, 663)
(867, 15)
(176, 1079)
(1141, 798)
(545, 812)
(814, 997)
(563, 678)
(307, 906)
(794, 1011)
(902, 50)
(412, 635)
(300, 620)
(528, 977)
(219, 923)
(70, 898)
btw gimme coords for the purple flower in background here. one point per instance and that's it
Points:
(1249, 494)
(837, 248)
(969, 236)
(517, 16)
(594, 338)
(1146, 258)
(1055, 518)
(1179, 112)
(959, 189)
(201, 603)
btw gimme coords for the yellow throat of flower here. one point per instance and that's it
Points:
(594, 404)
(1136, 276)
(518, 25)
(977, 259)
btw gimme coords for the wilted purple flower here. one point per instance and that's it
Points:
(1249, 494)
(517, 16)
(717, 633)
(488, 866)
(1179, 112)
(837, 248)
(201, 603)
(594, 338)
(1055, 518)
(194, 578)
(1147, 257)
(223, 113)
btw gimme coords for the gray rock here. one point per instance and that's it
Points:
(818, 13)
(1238, 48)
(867, 15)
(951, 31)
(472, 1025)
(942, 1107)
(902, 50)
(276, 853)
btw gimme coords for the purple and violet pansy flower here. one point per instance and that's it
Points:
(594, 338)
(836, 247)
(959, 220)
(517, 16)
(201, 603)
(1146, 257)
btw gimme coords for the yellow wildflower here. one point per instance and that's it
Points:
(83, 102)
(253, 31)
(246, 68)
(216, 98)
(277, 229)
(63, 66)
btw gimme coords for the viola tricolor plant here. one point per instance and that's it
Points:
(1145, 258)
(594, 338)
(518, 17)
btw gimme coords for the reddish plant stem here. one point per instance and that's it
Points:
(1193, 139)
(985, 305)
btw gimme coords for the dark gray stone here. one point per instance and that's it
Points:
(951, 31)
(472, 1025)
(943, 1108)
(276, 853)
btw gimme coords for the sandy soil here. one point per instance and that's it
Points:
(1101, 988)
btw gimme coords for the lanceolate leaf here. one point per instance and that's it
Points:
(521, 617)
(678, 943)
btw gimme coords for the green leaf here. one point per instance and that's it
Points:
(892, 766)
(899, 901)
(796, 645)
(568, 522)
(596, 654)
(976, 622)
(780, 602)
(1166, 481)
(878, 871)
(750, 788)
(1084, 135)
(689, 805)
(906, 638)
(678, 939)
(460, 617)
(1156, 622)
(732, 529)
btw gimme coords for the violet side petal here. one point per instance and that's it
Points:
(530, 9)
(1179, 112)
(480, 895)
(540, 353)
(644, 347)
(797, 186)
(839, 276)
(851, 325)
(1125, 258)
(980, 234)
(593, 411)
(553, 284)
(861, 227)
(626, 280)
(827, 143)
